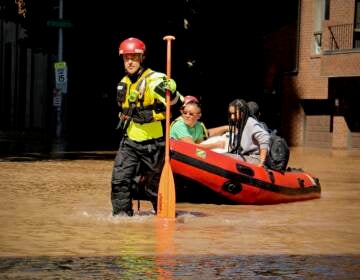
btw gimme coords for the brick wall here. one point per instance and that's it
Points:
(341, 133)
(318, 131)
(310, 80)
(340, 64)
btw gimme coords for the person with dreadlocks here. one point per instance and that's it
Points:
(248, 139)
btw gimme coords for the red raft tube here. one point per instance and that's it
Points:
(239, 181)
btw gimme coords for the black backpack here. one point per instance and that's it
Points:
(279, 153)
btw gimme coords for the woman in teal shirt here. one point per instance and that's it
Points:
(188, 128)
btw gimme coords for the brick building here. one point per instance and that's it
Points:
(320, 91)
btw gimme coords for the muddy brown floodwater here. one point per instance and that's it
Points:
(56, 223)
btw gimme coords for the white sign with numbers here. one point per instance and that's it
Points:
(61, 76)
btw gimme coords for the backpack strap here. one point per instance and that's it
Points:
(141, 86)
(205, 131)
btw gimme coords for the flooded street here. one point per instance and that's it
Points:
(56, 223)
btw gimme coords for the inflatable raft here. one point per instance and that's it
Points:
(238, 181)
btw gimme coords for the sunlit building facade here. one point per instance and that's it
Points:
(320, 94)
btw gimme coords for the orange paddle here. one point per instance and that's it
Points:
(166, 193)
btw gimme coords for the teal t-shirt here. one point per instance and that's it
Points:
(180, 130)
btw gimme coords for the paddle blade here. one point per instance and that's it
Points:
(166, 193)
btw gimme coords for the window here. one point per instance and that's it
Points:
(327, 10)
(321, 8)
(357, 25)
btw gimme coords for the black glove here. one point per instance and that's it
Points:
(168, 84)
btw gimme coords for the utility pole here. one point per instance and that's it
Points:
(61, 17)
(60, 78)
(60, 89)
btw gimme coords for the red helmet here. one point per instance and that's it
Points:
(190, 99)
(132, 45)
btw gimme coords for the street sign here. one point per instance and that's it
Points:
(61, 76)
(57, 99)
(63, 23)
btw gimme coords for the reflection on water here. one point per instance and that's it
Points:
(56, 223)
(183, 267)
